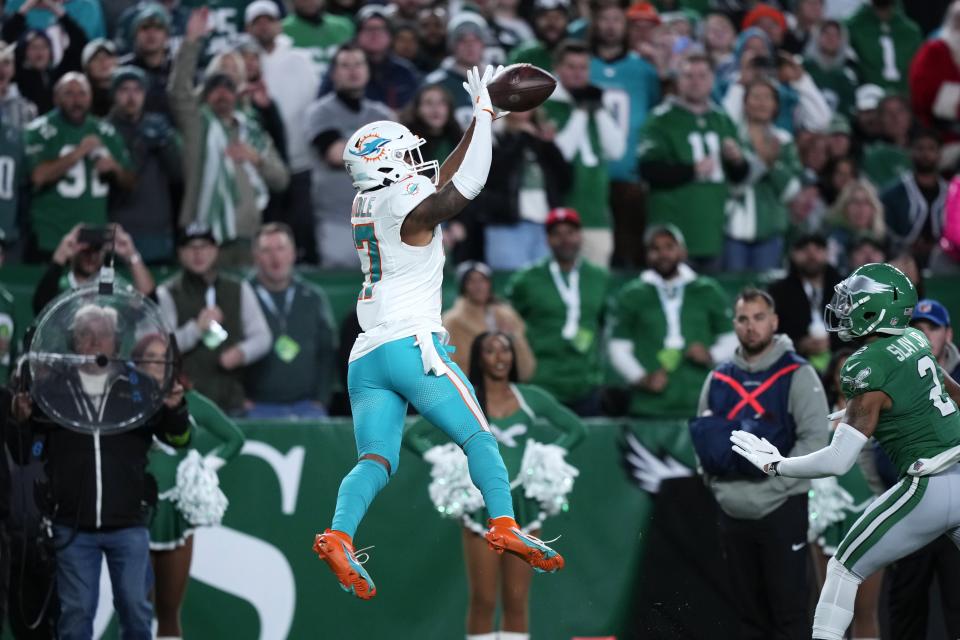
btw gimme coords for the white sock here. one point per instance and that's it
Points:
(835, 608)
(514, 635)
(481, 636)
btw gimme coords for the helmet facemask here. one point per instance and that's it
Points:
(836, 315)
(414, 161)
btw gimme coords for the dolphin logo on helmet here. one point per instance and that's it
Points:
(370, 147)
(383, 153)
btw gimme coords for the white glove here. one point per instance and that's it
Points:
(476, 86)
(761, 453)
(213, 462)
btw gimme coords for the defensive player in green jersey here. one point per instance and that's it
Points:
(72, 159)
(898, 394)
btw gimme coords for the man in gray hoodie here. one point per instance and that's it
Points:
(763, 521)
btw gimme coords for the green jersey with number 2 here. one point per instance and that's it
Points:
(923, 420)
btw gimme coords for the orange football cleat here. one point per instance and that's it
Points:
(505, 535)
(336, 549)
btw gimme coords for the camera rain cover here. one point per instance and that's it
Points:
(100, 362)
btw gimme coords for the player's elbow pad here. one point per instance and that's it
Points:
(468, 186)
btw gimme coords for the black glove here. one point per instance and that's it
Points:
(588, 97)
(156, 130)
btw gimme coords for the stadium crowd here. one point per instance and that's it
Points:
(790, 140)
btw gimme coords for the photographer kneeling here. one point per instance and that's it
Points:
(98, 495)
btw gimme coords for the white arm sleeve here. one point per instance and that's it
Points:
(626, 364)
(833, 460)
(472, 173)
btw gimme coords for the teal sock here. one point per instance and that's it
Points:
(488, 474)
(357, 491)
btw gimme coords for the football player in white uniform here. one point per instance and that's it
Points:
(401, 356)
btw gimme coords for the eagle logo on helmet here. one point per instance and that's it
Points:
(863, 284)
(370, 147)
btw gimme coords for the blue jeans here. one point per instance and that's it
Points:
(752, 256)
(305, 409)
(78, 580)
(514, 246)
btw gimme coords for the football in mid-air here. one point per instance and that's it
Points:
(521, 87)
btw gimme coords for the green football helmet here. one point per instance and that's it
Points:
(875, 298)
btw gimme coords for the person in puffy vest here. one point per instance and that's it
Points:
(771, 391)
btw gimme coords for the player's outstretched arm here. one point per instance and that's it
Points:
(467, 169)
(837, 458)
(455, 159)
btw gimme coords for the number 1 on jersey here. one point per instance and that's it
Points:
(941, 401)
(365, 239)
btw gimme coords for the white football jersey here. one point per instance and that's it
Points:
(401, 294)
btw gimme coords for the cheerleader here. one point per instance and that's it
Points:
(187, 490)
(511, 410)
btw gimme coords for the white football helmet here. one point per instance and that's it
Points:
(385, 152)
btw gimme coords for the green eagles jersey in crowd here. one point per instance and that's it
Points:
(674, 134)
(588, 194)
(923, 420)
(80, 195)
(11, 181)
(884, 49)
(320, 40)
(569, 368)
(700, 313)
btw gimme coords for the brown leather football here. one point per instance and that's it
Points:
(521, 87)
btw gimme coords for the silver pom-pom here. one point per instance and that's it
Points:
(197, 493)
(451, 490)
(546, 476)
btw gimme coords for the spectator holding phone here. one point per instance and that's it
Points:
(79, 256)
(73, 161)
